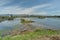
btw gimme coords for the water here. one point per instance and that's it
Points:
(52, 23)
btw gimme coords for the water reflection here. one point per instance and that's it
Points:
(52, 23)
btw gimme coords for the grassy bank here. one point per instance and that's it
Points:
(38, 34)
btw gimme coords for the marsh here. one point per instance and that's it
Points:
(52, 23)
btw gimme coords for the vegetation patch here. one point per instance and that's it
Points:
(26, 21)
(38, 34)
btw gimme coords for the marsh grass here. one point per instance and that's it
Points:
(38, 34)
(25, 21)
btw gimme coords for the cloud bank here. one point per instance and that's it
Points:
(38, 7)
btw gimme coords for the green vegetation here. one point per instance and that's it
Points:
(2, 18)
(37, 34)
(11, 17)
(26, 21)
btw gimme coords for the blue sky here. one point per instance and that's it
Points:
(37, 7)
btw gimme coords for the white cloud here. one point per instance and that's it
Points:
(41, 6)
(3, 2)
(42, 13)
(21, 10)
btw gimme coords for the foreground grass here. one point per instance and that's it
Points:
(39, 34)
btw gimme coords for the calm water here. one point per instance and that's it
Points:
(52, 23)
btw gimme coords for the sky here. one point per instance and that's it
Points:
(36, 7)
